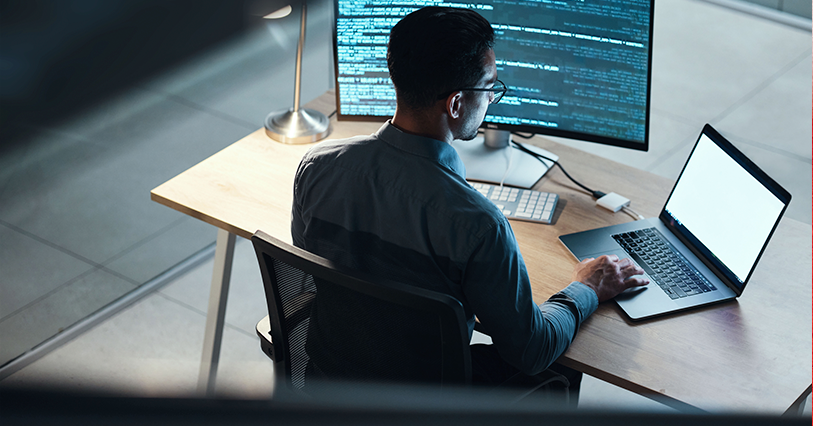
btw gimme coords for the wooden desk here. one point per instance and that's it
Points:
(753, 354)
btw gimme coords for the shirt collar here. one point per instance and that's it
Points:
(422, 146)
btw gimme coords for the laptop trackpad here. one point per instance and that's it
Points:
(632, 292)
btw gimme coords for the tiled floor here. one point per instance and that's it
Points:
(74, 195)
(78, 229)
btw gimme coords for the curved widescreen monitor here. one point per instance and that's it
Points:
(578, 69)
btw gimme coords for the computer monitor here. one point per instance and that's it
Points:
(578, 69)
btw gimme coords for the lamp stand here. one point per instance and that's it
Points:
(297, 126)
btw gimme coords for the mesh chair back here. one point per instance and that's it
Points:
(290, 275)
(295, 291)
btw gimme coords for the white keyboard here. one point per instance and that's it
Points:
(520, 204)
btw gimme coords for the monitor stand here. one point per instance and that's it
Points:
(486, 160)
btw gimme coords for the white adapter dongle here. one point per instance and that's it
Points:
(613, 202)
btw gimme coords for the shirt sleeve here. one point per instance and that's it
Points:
(497, 286)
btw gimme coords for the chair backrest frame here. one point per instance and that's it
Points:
(455, 354)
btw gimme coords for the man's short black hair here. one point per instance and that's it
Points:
(436, 50)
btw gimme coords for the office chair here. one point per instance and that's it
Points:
(290, 275)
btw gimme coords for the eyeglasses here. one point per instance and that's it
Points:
(497, 91)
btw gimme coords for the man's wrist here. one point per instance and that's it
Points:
(591, 287)
(585, 296)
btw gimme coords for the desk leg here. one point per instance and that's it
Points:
(798, 407)
(216, 315)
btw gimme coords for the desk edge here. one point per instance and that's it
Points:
(200, 216)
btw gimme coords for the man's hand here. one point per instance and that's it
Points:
(608, 276)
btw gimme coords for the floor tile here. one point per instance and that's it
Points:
(268, 89)
(671, 163)
(251, 97)
(246, 304)
(60, 309)
(706, 57)
(258, 76)
(778, 117)
(244, 370)
(45, 156)
(151, 349)
(227, 58)
(794, 175)
(799, 7)
(101, 205)
(169, 247)
(121, 107)
(665, 133)
(53, 147)
(773, 4)
(12, 153)
(596, 394)
(30, 270)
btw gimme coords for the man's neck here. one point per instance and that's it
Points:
(427, 124)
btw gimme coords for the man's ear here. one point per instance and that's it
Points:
(454, 104)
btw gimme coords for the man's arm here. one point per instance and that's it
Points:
(528, 336)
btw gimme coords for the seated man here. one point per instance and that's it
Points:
(396, 205)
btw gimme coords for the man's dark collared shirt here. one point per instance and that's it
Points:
(397, 205)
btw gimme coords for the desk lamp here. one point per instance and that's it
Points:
(296, 125)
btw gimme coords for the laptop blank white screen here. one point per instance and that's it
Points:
(724, 207)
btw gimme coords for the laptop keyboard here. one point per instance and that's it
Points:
(521, 204)
(663, 263)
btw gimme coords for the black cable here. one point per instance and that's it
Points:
(528, 136)
(540, 157)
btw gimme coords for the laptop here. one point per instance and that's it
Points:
(708, 238)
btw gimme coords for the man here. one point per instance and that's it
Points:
(396, 205)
